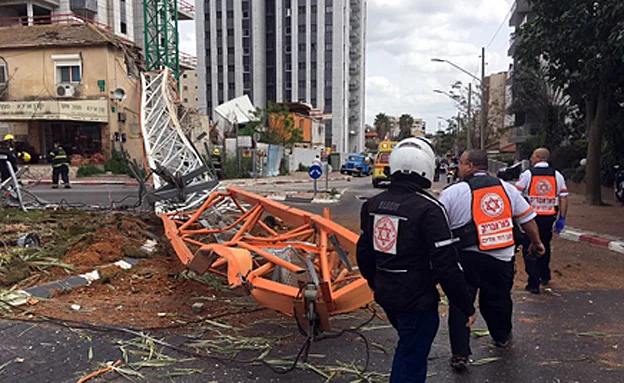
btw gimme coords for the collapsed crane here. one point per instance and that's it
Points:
(289, 260)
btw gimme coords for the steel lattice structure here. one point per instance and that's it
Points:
(182, 180)
(161, 35)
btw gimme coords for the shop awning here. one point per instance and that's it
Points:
(70, 110)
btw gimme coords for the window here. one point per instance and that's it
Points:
(245, 14)
(302, 47)
(124, 28)
(68, 68)
(184, 75)
(288, 85)
(328, 47)
(287, 31)
(185, 88)
(288, 48)
(329, 9)
(3, 74)
(185, 100)
(246, 68)
(245, 32)
(288, 67)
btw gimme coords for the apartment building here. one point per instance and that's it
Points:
(526, 122)
(309, 51)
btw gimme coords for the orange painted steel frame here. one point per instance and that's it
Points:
(339, 289)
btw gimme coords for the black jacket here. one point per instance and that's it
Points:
(7, 156)
(425, 254)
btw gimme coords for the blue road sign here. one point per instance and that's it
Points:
(315, 172)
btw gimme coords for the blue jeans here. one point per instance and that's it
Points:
(416, 330)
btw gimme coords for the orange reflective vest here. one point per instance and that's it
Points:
(543, 191)
(491, 227)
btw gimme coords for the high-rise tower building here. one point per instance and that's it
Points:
(309, 51)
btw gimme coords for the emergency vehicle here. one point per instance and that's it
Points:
(381, 162)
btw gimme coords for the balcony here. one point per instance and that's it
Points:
(188, 61)
(186, 10)
(84, 6)
(520, 134)
(512, 44)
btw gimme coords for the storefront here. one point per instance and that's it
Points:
(81, 127)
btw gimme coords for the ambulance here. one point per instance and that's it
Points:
(381, 162)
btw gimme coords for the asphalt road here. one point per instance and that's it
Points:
(562, 336)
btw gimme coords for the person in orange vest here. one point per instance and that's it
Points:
(546, 190)
(483, 229)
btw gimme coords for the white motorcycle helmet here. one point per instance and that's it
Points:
(414, 155)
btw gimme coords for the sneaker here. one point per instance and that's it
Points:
(503, 344)
(460, 363)
(67, 186)
(54, 186)
(532, 289)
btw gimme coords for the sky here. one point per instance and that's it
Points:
(403, 36)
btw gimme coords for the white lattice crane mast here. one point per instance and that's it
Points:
(182, 181)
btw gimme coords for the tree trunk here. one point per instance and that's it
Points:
(597, 107)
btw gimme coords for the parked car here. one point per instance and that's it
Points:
(356, 164)
(509, 173)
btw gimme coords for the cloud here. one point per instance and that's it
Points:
(403, 36)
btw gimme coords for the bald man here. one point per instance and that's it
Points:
(545, 188)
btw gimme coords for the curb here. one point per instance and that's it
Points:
(276, 182)
(595, 239)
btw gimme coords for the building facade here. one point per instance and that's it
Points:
(309, 51)
(73, 84)
(526, 122)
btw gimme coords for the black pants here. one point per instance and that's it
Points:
(493, 279)
(62, 171)
(538, 269)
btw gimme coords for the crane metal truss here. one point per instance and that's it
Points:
(289, 260)
(182, 181)
(161, 35)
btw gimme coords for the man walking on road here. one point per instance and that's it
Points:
(60, 166)
(405, 249)
(547, 192)
(484, 229)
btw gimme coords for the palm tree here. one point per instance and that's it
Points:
(405, 125)
(382, 126)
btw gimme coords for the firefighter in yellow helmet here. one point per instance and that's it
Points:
(216, 162)
(10, 139)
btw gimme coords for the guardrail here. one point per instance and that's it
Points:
(69, 18)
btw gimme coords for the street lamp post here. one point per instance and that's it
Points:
(468, 113)
(481, 82)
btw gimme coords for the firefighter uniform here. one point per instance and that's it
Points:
(481, 212)
(405, 249)
(542, 185)
(60, 167)
(7, 157)
(216, 163)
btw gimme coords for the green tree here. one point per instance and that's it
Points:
(382, 126)
(580, 45)
(405, 125)
(276, 125)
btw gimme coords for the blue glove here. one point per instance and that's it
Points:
(560, 224)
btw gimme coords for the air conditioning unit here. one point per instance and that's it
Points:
(65, 90)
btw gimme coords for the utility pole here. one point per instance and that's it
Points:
(483, 106)
(457, 133)
(469, 127)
